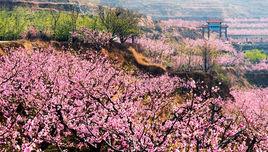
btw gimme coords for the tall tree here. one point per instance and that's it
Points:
(120, 22)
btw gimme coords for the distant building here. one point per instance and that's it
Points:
(214, 25)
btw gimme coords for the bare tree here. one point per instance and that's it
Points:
(206, 57)
(55, 18)
(75, 14)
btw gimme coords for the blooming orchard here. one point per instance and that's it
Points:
(54, 98)
(214, 44)
(180, 23)
(249, 32)
(262, 66)
(156, 47)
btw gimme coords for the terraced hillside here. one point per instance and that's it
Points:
(195, 8)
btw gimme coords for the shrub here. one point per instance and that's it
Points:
(256, 55)
(41, 20)
(63, 30)
(33, 33)
(91, 22)
(30, 34)
(120, 22)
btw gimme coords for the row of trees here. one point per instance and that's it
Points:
(190, 53)
(59, 25)
(55, 24)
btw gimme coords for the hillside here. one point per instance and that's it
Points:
(190, 9)
(195, 8)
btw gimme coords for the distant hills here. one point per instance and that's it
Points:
(187, 9)
(194, 8)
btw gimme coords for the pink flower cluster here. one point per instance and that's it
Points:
(251, 109)
(253, 102)
(262, 66)
(92, 37)
(156, 47)
(231, 59)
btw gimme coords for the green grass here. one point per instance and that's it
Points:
(14, 23)
(256, 55)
